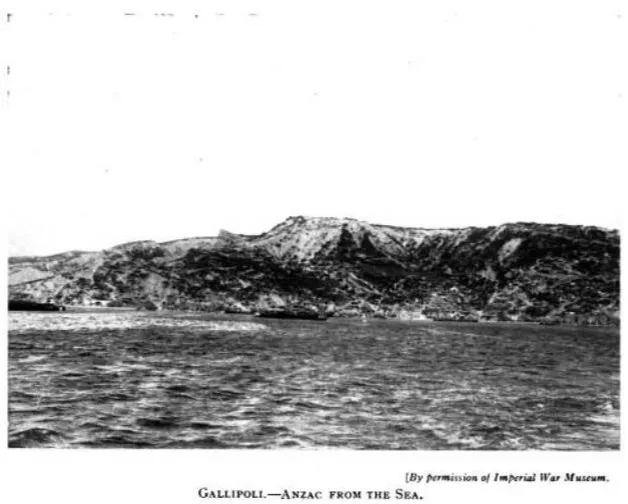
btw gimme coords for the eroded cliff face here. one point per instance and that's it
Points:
(521, 271)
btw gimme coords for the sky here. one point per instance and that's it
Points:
(236, 115)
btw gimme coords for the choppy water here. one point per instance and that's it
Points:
(131, 379)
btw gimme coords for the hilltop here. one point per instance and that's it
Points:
(518, 271)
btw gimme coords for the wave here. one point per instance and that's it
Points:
(32, 358)
(158, 423)
(36, 437)
(25, 322)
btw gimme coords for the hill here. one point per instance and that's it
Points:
(519, 271)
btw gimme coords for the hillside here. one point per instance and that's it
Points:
(521, 271)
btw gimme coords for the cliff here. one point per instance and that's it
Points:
(521, 271)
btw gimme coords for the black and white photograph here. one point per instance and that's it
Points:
(322, 332)
(280, 227)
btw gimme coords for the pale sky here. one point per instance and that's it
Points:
(426, 114)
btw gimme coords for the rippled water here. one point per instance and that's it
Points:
(132, 379)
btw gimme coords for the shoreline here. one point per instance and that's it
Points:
(70, 310)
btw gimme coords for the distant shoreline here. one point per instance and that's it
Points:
(522, 272)
(370, 320)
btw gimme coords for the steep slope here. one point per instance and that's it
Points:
(510, 272)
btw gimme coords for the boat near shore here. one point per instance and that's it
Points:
(20, 305)
(291, 313)
(454, 319)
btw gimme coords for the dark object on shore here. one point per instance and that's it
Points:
(453, 319)
(292, 314)
(17, 305)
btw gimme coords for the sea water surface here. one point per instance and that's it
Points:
(183, 380)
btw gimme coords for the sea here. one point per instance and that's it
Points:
(127, 379)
